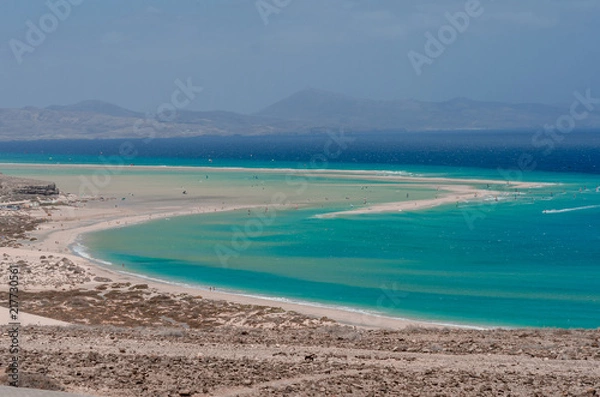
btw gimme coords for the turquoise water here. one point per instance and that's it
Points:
(529, 261)
(533, 261)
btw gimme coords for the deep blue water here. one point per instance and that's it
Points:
(577, 152)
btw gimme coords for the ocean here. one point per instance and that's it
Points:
(529, 259)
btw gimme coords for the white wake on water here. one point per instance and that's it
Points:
(587, 207)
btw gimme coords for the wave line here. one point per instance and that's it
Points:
(587, 207)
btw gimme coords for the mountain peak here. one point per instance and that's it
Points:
(308, 103)
(324, 108)
(97, 106)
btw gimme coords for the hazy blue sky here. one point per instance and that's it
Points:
(130, 52)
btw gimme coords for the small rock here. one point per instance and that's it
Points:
(139, 286)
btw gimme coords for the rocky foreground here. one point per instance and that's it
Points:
(329, 360)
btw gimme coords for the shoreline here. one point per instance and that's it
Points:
(452, 193)
(60, 235)
(283, 302)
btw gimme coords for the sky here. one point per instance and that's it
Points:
(248, 54)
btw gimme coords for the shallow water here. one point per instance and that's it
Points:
(527, 260)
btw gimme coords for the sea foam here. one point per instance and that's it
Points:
(587, 207)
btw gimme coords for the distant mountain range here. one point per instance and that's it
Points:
(305, 111)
